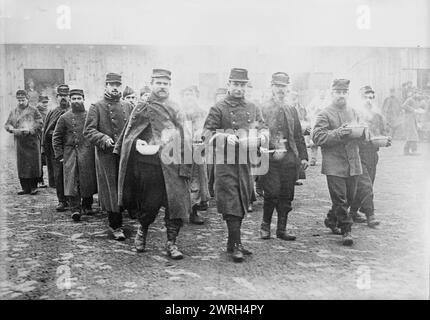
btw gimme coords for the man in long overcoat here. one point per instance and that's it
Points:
(340, 158)
(25, 123)
(234, 115)
(285, 134)
(55, 167)
(103, 126)
(77, 155)
(151, 179)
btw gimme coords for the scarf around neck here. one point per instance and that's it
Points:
(111, 97)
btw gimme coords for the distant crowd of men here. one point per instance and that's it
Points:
(120, 148)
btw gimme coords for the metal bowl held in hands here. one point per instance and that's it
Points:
(379, 141)
(147, 149)
(357, 131)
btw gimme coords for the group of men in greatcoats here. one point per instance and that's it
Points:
(133, 153)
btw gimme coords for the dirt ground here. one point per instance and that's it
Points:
(45, 255)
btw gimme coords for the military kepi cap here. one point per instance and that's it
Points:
(63, 89)
(113, 78)
(340, 84)
(280, 78)
(78, 92)
(238, 74)
(43, 98)
(367, 89)
(21, 94)
(161, 73)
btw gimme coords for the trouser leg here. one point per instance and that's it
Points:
(363, 200)
(87, 202)
(74, 203)
(25, 184)
(59, 180)
(233, 227)
(286, 196)
(342, 191)
(172, 226)
(211, 174)
(115, 219)
(268, 208)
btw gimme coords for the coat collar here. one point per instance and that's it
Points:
(234, 102)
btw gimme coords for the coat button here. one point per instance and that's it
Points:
(234, 122)
(249, 120)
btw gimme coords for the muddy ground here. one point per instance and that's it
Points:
(45, 255)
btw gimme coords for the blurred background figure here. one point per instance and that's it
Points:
(129, 95)
(145, 92)
(316, 105)
(392, 111)
(306, 127)
(411, 107)
(33, 95)
(196, 115)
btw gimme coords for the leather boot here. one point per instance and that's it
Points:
(234, 240)
(140, 239)
(237, 254)
(331, 223)
(265, 231)
(347, 238)
(173, 251)
(61, 207)
(268, 208)
(241, 247)
(195, 218)
(357, 218)
(346, 235)
(281, 230)
(372, 222)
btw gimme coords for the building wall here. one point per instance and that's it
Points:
(85, 66)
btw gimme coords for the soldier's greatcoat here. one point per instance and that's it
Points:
(27, 146)
(78, 154)
(106, 119)
(156, 116)
(232, 181)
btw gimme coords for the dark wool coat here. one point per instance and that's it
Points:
(158, 115)
(232, 181)
(106, 119)
(340, 156)
(78, 153)
(275, 115)
(27, 146)
(48, 130)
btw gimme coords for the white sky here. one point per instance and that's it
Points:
(267, 23)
